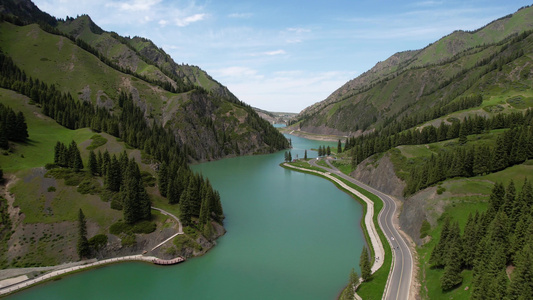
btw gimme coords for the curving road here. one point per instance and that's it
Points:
(399, 281)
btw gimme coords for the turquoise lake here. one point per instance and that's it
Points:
(289, 236)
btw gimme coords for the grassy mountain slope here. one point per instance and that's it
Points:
(109, 45)
(140, 56)
(413, 80)
(43, 209)
(198, 119)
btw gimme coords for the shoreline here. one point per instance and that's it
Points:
(375, 241)
(18, 279)
(313, 136)
(50, 276)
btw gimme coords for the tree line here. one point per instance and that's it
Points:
(324, 151)
(512, 147)
(365, 146)
(68, 156)
(13, 126)
(490, 243)
(194, 194)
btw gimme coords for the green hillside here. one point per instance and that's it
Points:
(408, 82)
(82, 74)
(448, 130)
(110, 133)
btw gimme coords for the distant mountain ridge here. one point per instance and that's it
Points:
(323, 117)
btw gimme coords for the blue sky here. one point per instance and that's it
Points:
(284, 55)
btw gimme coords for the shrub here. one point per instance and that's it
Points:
(116, 204)
(98, 241)
(87, 186)
(144, 227)
(147, 178)
(191, 232)
(424, 229)
(73, 181)
(140, 227)
(441, 190)
(97, 141)
(50, 166)
(119, 227)
(128, 240)
(51, 189)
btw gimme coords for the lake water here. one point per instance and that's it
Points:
(289, 236)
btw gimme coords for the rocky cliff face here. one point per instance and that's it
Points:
(379, 174)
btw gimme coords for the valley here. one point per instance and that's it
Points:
(112, 151)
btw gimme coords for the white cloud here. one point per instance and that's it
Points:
(236, 72)
(136, 5)
(163, 23)
(289, 91)
(298, 30)
(268, 53)
(275, 52)
(240, 15)
(428, 3)
(182, 22)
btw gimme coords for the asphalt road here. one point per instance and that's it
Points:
(399, 280)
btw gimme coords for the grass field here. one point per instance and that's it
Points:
(43, 132)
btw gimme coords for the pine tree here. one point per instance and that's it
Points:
(93, 163)
(496, 199)
(339, 147)
(205, 208)
(83, 244)
(172, 193)
(463, 134)
(21, 129)
(305, 154)
(217, 207)
(452, 272)
(521, 286)
(163, 179)
(99, 163)
(470, 242)
(186, 205)
(499, 285)
(438, 255)
(500, 160)
(354, 281)
(114, 175)
(364, 264)
(328, 151)
(144, 203)
(4, 144)
(75, 156)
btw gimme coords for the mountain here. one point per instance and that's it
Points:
(448, 131)
(95, 129)
(275, 117)
(412, 81)
(96, 66)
